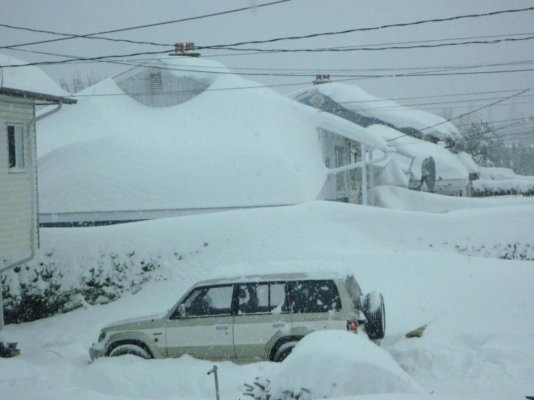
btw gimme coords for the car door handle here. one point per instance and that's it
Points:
(221, 327)
(278, 325)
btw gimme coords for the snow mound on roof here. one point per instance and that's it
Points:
(336, 364)
(29, 78)
(237, 143)
(448, 166)
(353, 98)
(468, 162)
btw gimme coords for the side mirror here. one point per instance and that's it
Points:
(181, 310)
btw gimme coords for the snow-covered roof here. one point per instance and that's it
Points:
(234, 143)
(353, 98)
(27, 79)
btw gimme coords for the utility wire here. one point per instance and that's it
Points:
(351, 76)
(72, 36)
(298, 72)
(366, 29)
(361, 48)
(351, 47)
(67, 36)
(401, 106)
(467, 113)
(480, 108)
(131, 28)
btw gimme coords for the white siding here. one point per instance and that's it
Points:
(18, 225)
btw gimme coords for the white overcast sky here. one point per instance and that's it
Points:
(298, 17)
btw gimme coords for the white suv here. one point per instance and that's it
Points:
(247, 319)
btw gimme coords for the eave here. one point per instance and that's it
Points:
(25, 94)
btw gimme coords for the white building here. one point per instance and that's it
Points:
(21, 90)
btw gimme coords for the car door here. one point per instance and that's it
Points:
(202, 325)
(261, 315)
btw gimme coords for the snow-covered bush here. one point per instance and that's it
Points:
(503, 187)
(47, 286)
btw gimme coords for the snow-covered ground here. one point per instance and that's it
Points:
(479, 307)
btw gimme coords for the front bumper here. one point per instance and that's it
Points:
(97, 350)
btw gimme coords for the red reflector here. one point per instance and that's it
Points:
(352, 326)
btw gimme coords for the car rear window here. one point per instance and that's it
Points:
(314, 296)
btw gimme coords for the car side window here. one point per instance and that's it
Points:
(314, 296)
(208, 301)
(254, 298)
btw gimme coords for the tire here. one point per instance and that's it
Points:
(132, 349)
(283, 351)
(375, 312)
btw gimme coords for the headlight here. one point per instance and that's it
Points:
(102, 336)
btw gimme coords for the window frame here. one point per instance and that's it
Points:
(16, 147)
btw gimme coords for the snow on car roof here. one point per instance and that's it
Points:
(289, 276)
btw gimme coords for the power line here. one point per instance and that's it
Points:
(366, 29)
(467, 113)
(361, 48)
(205, 69)
(95, 34)
(351, 76)
(352, 47)
(480, 108)
(72, 36)
(499, 120)
(394, 107)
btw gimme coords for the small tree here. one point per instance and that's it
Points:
(77, 82)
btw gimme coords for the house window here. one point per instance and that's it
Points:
(15, 145)
(155, 83)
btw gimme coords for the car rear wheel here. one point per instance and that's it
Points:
(130, 348)
(283, 351)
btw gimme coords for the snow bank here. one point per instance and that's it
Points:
(480, 334)
(403, 199)
(491, 173)
(338, 364)
(29, 78)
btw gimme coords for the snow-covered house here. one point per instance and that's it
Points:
(178, 136)
(418, 163)
(21, 90)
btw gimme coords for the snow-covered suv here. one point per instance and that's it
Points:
(247, 319)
